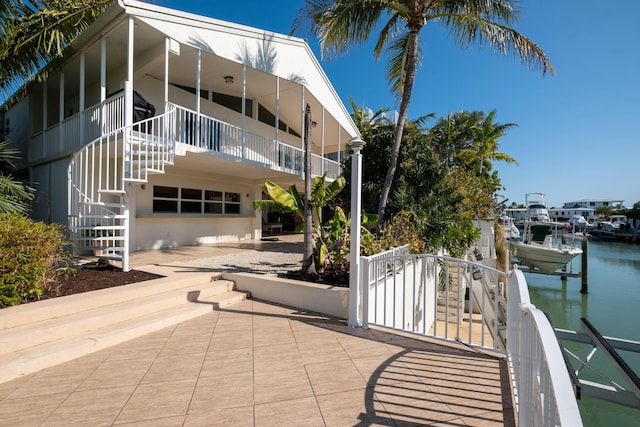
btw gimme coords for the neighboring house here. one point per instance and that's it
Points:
(163, 126)
(566, 213)
(594, 204)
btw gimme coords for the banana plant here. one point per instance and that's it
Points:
(290, 201)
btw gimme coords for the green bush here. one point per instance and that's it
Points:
(29, 253)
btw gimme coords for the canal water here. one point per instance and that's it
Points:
(612, 305)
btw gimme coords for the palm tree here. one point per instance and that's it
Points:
(14, 196)
(34, 33)
(486, 135)
(341, 23)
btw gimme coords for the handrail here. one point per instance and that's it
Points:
(202, 131)
(409, 292)
(98, 173)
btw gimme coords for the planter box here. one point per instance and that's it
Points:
(325, 299)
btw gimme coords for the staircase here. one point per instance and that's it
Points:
(45, 333)
(100, 175)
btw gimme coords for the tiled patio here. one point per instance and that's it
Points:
(260, 364)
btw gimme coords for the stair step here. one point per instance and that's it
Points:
(110, 191)
(51, 329)
(50, 332)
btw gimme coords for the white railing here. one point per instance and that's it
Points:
(99, 172)
(543, 388)
(76, 131)
(425, 294)
(463, 301)
(214, 135)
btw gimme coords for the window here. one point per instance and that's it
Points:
(233, 103)
(165, 199)
(191, 201)
(195, 201)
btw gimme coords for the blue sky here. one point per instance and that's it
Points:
(577, 135)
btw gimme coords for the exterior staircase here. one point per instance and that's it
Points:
(101, 173)
(45, 333)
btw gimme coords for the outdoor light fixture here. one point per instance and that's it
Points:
(228, 80)
(314, 124)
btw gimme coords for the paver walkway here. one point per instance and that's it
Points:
(261, 364)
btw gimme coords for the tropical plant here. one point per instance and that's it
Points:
(290, 201)
(30, 252)
(14, 195)
(34, 33)
(341, 23)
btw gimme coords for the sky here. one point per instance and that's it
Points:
(577, 133)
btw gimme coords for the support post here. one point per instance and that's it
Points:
(584, 289)
(354, 251)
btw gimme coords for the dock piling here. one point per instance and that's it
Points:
(584, 289)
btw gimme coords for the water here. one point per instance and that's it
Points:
(612, 305)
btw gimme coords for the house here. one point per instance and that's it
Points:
(162, 127)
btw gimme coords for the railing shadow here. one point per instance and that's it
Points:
(424, 382)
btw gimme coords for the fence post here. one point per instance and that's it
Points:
(354, 251)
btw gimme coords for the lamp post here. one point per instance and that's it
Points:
(355, 320)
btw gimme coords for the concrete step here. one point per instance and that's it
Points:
(77, 323)
(57, 307)
(45, 333)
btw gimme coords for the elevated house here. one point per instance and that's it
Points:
(162, 127)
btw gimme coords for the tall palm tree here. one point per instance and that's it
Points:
(341, 23)
(34, 33)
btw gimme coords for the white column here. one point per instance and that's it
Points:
(198, 77)
(128, 99)
(339, 148)
(322, 165)
(244, 111)
(82, 95)
(355, 285)
(167, 46)
(103, 83)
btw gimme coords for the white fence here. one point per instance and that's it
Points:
(463, 301)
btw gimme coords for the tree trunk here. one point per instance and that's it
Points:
(410, 74)
(308, 264)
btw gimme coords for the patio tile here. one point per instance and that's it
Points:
(29, 410)
(90, 407)
(186, 344)
(158, 400)
(227, 417)
(117, 373)
(226, 340)
(334, 377)
(170, 368)
(350, 408)
(275, 386)
(296, 412)
(230, 391)
(227, 362)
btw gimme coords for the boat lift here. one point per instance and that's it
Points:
(610, 391)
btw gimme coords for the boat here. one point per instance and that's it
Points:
(537, 249)
(509, 228)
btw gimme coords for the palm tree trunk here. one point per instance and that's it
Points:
(407, 87)
(308, 265)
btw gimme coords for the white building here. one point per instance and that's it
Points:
(595, 204)
(162, 127)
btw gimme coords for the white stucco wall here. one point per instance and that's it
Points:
(153, 231)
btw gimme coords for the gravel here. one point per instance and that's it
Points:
(274, 260)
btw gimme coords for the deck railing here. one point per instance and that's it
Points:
(458, 300)
(211, 134)
(78, 130)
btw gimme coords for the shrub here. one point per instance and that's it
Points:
(29, 253)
